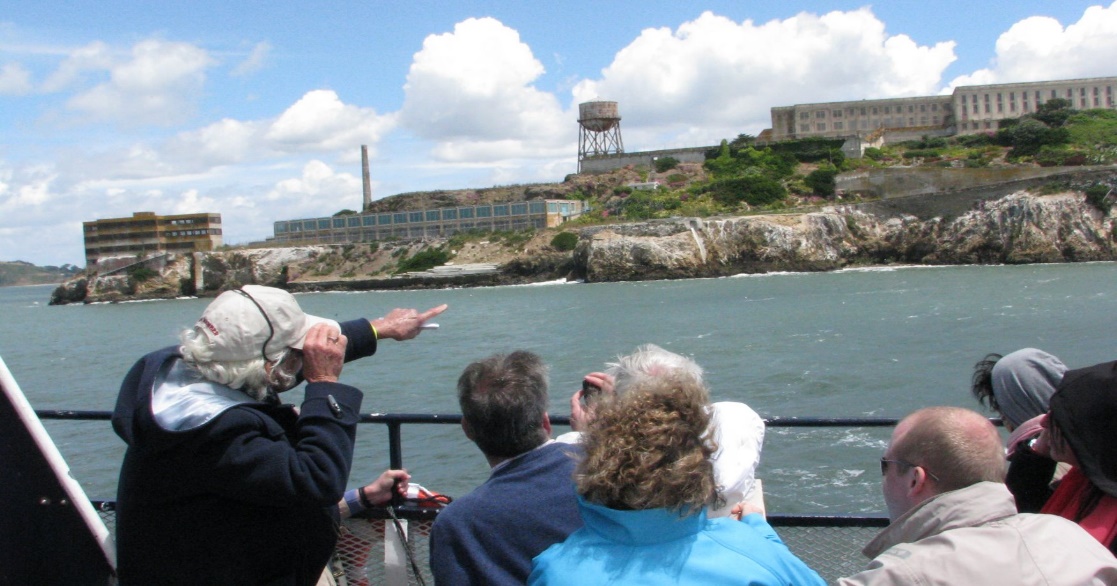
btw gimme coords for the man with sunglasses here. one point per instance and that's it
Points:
(223, 484)
(955, 522)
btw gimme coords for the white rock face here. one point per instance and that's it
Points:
(1020, 228)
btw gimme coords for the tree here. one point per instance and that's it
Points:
(1028, 135)
(821, 180)
(1054, 112)
(664, 164)
(564, 241)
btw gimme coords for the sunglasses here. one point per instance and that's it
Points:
(884, 462)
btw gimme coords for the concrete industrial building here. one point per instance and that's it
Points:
(968, 110)
(417, 224)
(145, 234)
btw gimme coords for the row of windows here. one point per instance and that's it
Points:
(495, 210)
(92, 251)
(872, 110)
(1069, 94)
(867, 124)
(370, 234)
(149, 224)
(150, 235)
(1026, 106)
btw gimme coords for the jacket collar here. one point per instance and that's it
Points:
(974, 505)
(640, 527)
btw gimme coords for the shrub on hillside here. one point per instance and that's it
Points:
(751, 189)
(1095, 196)
(665, 164)
(423, 260)
(564, 241)
(821, 181)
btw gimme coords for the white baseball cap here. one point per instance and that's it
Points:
(253, 321)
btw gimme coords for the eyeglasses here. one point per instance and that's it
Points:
(884, 462)
(271, 329)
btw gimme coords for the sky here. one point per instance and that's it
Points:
(257, 110)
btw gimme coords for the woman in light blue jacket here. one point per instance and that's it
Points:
(644, 486)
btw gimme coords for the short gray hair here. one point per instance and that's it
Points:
(649, 362)
(504, 400)
(249, 375)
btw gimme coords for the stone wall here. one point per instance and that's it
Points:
(606, 163)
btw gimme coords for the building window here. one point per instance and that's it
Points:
(466, 213)
(988, 109)
(863, 111)
(432, 216)
(500, 210)
(450, 214)
(836, 113)
(324, 224)
(519, 209)
(923, 107)
(368, 220)
(934, 107)
(384, 219)
(838, 126)
(821, 127)
(820, 114)
(399, 218)
(484, 211)
(975, 106)
(1012, 106)
(537, 207)
(804, 115)
(874, 110)
(888, 109)
(804, 128)
(1000, 107)
(353, 222)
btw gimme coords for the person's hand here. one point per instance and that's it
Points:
(380, 491)
(581, 415)
(323, 354)
(404, 324)
(743, 509)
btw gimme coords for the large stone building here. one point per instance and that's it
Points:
(145, 234)
(968, 110)
(440, 222)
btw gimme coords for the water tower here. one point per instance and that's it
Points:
(599, 130)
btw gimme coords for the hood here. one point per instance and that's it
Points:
(163, 400)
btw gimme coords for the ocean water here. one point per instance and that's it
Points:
(855, 343)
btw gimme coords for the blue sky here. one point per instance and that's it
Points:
(257, 110)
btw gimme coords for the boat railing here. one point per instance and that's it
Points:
(370, 549)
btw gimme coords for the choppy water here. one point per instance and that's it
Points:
(876, 342)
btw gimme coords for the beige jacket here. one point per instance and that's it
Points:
(975, 536)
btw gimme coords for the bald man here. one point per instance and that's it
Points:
(955, 522)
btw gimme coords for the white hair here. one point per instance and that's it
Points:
(647, 362)
(249, 375)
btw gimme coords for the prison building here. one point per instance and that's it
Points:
(146, 233)
(968, 110)
(432, 223)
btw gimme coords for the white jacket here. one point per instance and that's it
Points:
(975, 536)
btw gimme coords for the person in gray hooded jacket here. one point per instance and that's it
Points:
(954, 522)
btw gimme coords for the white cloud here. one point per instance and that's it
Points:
(470, 91)
(1040, 48)
(255, 61)
(14, 80)
(713, 78)
(94, 57)
(321, 121)
(157, 84)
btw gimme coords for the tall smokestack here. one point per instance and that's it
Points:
(364, 175)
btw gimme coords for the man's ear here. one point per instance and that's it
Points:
(467, 429)
(547, 424)
(920, 486)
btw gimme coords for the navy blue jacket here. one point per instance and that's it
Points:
(490, 535)
(249, 497)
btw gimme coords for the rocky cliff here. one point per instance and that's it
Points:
(1018, 228)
